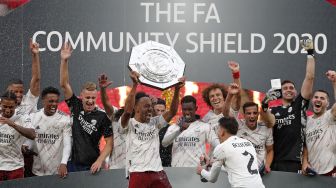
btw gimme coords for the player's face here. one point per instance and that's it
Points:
(189, 111)
(216, 99)
(320, 102)
(50, 103)
(144, 109)
(7, 108)
(89, 100)
(288, 91)
(18, 90)
(159, 109)
(251, 116)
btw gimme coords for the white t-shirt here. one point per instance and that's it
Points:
(238, 156)
(320, 138)
(189, 145)
(28, 104)
(212, 118)
(51, 132)
(143, 145)
(118, 157)
(260, 138)
(11, 157)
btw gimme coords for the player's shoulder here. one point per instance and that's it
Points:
(202, 123)
(61, 113)
(262, 126)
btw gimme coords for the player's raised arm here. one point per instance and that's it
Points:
(36, 73)
(103, 84)
(307, 85)
(175, 102)
(66, 52)
(233, 91)
(130, 100)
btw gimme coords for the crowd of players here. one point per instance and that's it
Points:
(140, 139)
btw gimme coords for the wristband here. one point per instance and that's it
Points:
(236, 75)
(310, 52)
(264, 105)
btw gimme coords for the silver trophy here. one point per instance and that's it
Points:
(159, 65)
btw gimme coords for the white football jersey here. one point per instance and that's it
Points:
(321, 142)
(49, 142)
(189, 145)
(11, 157)
(212, 118)
(239, 158)
(28, 104)
(260, 138)
(118, 157)
(143, 145)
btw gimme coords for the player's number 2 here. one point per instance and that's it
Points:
(249, 164)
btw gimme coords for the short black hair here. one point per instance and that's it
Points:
(286, 82)
(188, 99)
(323, 91)
(230, 124)
(14, 81)
(140, 95)
(161, 101)
(249, 104)
(8, 95)
(50, 90)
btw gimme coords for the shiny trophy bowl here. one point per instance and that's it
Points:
(159, 65)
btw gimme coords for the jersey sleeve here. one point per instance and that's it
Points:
(67, 134)
(107, 127)
(172, 132)
(159, 121)
(74, 103)
(31, 101)
(212, 137)
(213, 174)
(301, 103)
(234, 113)
(124, 130)
(269, 139)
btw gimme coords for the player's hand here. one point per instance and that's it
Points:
(234, 66)
(181, 83)
(7, 121)
(206, 159)
(135, 77)
(181, 122)
(25, 149)
(96, 166)
(331, 75)
(34, 47)
(66, 51)
(304, 167)
(153, 99)
(233, 89)
(267, 169)
(62, 171)
(199, 169)
(103, 81)
(307, 44)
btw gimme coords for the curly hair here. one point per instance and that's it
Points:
(206, 91)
